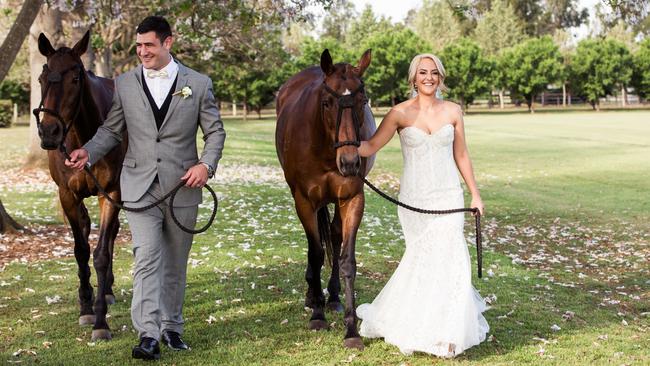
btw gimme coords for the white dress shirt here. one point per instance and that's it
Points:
(159, 86)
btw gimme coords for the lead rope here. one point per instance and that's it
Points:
(477, 216)
(171, 195)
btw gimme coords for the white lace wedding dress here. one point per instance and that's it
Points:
(429, 304)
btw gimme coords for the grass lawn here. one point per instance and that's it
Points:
(567, 246)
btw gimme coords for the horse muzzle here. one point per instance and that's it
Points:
(349, 164)
(51, 136)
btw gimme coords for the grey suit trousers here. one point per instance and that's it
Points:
(161, 251)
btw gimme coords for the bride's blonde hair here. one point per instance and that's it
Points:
(414, 68)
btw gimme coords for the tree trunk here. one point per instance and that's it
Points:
(564, 95)
(7, 224)
(501, 101)
(103, 63)
(48, 21)
(245, 107)
(624, 95)
(16, 36)
(234, 108)
(531, 103)
(79, 23)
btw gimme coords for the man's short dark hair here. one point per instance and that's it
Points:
(156, 24)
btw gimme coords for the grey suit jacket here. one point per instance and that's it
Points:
(168, 152)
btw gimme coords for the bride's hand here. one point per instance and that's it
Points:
(477, 203)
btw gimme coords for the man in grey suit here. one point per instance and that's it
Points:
(161, 103)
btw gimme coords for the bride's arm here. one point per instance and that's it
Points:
(384, 133)
(463, 162)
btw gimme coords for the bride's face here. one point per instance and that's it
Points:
(427, 77)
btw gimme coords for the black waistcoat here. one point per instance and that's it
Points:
(159, 113)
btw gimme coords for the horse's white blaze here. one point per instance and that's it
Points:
(347, 92)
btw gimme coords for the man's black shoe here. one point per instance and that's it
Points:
(148, 349)
(173, 340)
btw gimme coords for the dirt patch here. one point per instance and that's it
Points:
(44, 242)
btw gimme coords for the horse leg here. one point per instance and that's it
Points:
(77, 216)
(102, 258)
(315, 259)
(334, 284)
(351, 214)
(112, 229)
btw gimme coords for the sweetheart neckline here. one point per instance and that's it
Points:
(429, 133)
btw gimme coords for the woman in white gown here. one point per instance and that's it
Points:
(429, 304)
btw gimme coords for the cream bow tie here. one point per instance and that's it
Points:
(152, 74)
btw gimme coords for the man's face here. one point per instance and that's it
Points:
(152, 53)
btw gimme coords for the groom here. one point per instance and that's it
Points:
(161, 103)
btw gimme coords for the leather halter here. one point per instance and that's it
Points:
(55, 77)
(344, 102)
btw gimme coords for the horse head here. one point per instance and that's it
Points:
(62, 82)
(343, 99)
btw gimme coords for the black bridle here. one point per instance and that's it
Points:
(344, 102)
(55, 77)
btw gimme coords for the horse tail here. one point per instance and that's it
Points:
(325, 232)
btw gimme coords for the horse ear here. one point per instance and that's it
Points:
(326, 63)
(44, 46)
(82, 46)
(364, 62)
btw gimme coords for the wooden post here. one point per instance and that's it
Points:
(15, 117)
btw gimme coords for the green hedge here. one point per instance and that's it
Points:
(6, 113)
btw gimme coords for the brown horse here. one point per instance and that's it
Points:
(74, 103)
(322, 116)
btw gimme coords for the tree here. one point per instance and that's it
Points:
(19, 30)
(336, 22)
(641, 75)
(49, 22)
(311, 49)
(630, 12)
(7, 223)
(562, 39)
(392, 51)
(436, 24)
(254, 82)
(468, 71)
(363, 27)
(531, 66)
(498, 29)
(561, 14)
(599, 67)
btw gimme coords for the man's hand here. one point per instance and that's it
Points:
(196, 176)
(78, 159)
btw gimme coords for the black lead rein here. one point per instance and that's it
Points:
(477, 216)
(347, 101)
(171, 195)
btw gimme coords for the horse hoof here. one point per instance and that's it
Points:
(354, 342)
(88, 319)
(335, 306)
(110, 299)
(101, 334)
(318, 324)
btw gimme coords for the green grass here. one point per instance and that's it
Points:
(566, 230)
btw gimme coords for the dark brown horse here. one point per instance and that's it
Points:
(74, 103)
(322, 116)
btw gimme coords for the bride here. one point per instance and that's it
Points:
(429, 304)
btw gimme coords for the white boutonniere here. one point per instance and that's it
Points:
(185, 92)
